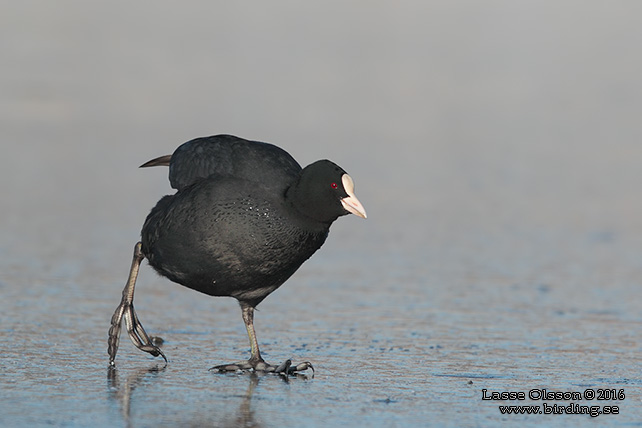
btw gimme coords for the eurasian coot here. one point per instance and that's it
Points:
(244, 218)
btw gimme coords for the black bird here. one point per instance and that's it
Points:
(244, 218)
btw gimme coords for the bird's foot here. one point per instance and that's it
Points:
(285, 368)
(135, 331)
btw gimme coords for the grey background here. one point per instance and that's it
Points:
(496, 146)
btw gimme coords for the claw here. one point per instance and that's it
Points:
(301, 367)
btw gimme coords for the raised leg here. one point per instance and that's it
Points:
(256, 362)
(126, 310)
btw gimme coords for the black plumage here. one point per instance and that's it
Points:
(244, 218)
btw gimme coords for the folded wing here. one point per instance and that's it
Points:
(229, 156)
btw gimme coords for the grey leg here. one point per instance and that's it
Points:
(256, 362)
(135, 329)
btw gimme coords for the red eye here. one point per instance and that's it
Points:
(333, 185)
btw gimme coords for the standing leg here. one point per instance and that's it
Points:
(256, 362)
(248, 319)
(135, 329)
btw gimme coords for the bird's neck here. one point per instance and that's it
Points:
(304, 205)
